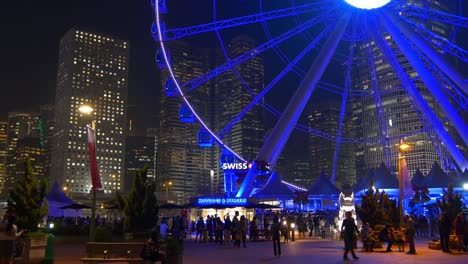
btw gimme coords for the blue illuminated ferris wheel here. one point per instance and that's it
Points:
(378, 41)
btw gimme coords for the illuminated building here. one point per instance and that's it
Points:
(92, 69)
(324, 115)
(46, 131)
(400, 118)
(3, 153)
(180, 159)
(20, 126)
(139, 153)
(30, 147)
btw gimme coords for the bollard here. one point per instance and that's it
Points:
(49, 251)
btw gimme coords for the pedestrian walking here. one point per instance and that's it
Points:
(410, 232)
(444, 231)
(243, 229)
(348, 229)
(275, 234)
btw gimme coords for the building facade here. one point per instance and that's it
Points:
(324, 115)
(139, 153)
(3, 154)
(398, 115)
(92, 70)
(21, 125)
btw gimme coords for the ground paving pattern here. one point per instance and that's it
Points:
(300, 251)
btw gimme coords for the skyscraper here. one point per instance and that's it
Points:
(398, 116)
(92, 69)
(139, 153)
(194, 170)
(46, 132)
(3, 153)
(180, 160)
(324, 115)
(20, 126)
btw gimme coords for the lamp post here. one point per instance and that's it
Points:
(166, 185)
(292, 229)
(88, 110)
(402, 147)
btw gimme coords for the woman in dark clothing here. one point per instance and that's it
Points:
(349, 227)
(275, 233)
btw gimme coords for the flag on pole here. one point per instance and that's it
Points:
(404, 173)
(95, 178)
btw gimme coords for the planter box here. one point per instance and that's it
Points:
(34, 250)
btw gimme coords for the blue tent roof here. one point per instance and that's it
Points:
(418, 179)
(275, 189)
(323, 187)
(364, 182)
(57, 195)
(437, 178)
(383, 179)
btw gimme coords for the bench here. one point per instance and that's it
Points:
(99, 252)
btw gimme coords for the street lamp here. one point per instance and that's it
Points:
(88, 110)
(402, 147)
(292, 229)
(167, 189)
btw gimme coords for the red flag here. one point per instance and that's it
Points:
(95, 178)
(404, 173)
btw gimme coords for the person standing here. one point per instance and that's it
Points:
(444, 231)
(349, 226)
(236, 230)
(410, 232)
(386, 235)
(275, 234)
(459, 226)
(243, 229)
(367, 240)
(9, 233)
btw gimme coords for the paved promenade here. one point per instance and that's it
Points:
(301, 251)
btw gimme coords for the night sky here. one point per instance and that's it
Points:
(31, 34)
(29, 47)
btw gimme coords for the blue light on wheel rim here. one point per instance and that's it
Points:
(367, 4)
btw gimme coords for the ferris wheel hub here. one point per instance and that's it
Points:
(366, 4)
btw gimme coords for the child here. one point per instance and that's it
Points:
(400, 239)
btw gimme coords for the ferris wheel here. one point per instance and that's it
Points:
(359, 51)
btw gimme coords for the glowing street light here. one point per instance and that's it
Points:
(167, 184)
(85, 109)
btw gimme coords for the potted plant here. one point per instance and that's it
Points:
(174, 250)
(28, 200)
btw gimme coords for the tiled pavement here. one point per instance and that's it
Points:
(300, 251)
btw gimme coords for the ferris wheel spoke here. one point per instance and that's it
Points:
(178, 33)
(194, 83)
(441, 42)
(452, 90)
(415, 95)
(344, 99)
(434, 15)
(427, 49)
(262, 94)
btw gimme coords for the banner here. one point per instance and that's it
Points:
(95, 178)
(404, 173)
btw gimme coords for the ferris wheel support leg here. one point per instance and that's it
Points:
(419, 100)
(426, 76)
(276, 141)
(427, 49)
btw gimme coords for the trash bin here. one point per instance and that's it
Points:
(49, 251)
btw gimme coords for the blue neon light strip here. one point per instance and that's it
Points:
(224, 201)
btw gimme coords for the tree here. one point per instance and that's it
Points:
(140, 205)
(28, 199)
(377, 208)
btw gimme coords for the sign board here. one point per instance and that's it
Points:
(224, 201)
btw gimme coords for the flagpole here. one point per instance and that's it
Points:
(92, 225)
